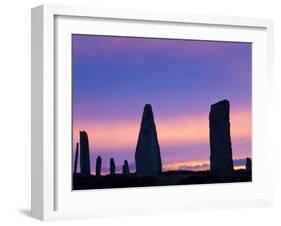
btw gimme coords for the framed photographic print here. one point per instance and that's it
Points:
(139, 112)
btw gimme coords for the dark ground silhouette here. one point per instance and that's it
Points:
(81, 182)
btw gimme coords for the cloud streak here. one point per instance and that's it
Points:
(200, 165)
(193, 129)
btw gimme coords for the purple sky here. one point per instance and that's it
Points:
(114, 77)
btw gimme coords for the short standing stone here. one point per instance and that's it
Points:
(84, 154)
(147, 156)
(98, 166)
(220, 140)
(112, 166)
(248, 164)
(125, 168)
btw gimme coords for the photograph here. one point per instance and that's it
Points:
(151, 111)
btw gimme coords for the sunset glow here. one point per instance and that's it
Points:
(114, 77)
(106, 135)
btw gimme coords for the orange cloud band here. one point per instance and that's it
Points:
(110, 135)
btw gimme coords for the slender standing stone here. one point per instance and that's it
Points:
(98, 166)
(112, 167)
(147, 156)
(248, 164)
(84, 154)
(125, 168)
(76, 158)
(220, 140)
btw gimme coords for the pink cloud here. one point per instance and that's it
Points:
(192, 129)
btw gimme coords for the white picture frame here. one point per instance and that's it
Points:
(52, 197)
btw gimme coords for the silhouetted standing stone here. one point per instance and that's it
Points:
(112, 166)
(125, 168)
(248, 164)
(84, 154)
(147, 156)
(98, 166)
(220, 141)
(76, 158)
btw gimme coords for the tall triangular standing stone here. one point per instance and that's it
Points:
(147, 156)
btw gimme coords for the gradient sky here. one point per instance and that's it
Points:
(114, 77)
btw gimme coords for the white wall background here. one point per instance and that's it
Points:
(15, 111)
